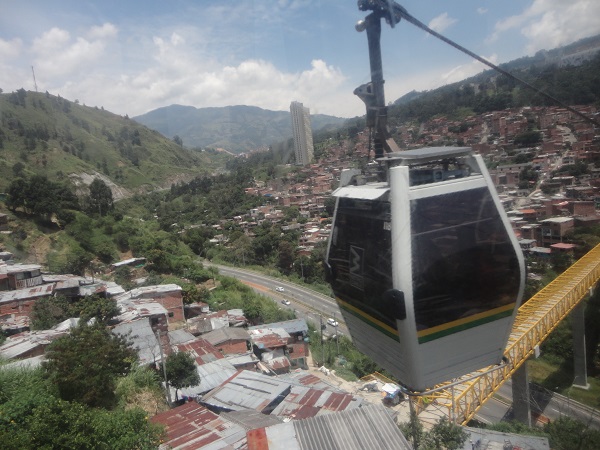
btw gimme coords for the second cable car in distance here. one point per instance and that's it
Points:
(425, 266)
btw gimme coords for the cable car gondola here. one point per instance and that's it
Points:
(425, 267)
(422, 259)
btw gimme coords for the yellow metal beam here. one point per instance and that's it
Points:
(535, 320)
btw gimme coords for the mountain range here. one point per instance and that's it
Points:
(237, 129)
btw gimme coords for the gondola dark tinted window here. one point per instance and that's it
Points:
(463, 261)
(361, 257)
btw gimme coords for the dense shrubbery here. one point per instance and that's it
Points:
(33, 414)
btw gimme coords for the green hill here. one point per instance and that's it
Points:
(568, 75)
(237, 129)
(48, 135)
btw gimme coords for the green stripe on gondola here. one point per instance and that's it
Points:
(464, 324)
(369, 320)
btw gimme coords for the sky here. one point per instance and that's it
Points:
(133, 57)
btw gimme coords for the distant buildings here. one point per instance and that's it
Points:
(303, 140)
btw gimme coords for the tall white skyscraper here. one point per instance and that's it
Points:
(303, 139)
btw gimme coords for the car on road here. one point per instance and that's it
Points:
(332, 322)
(285, 301)
(279, 289)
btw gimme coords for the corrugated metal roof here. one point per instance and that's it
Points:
(211, 375)
(269, 337)
(18, 345)
(192, 426)
(143, 338)
(291, 326)
(225, 334)
(18, 268)
(201, 350)
(277, 437)
(369, 427)
(132, 309)
(277, 363)
(366, 428)
(180, 337)
(303, 402)
(240, 360)
(303, 378)
(250, 419)
(247, 390)
(33, 292)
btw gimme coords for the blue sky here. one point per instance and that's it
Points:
(132, 57)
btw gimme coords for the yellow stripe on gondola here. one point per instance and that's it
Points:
(463, 324)
(391, 332)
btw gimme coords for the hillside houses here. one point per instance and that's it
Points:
(566, 139)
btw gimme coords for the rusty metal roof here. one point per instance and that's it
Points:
(44, 290)
(269, 337)
(303, 402)
(201, 350)
(192, 426)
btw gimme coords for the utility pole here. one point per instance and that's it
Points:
(322, 346)
(164, 364)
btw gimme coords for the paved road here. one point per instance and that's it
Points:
(545, 404)
(307, 304)
(313, 307)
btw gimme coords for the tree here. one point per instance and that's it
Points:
(101, 198)
(181, 371)
(99, 307)
(33, 417)
(16, 194)
(444, 435)
(178, 140)
(84, 365)
(413, 429)
(567, 433)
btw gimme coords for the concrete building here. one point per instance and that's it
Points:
(303, 140)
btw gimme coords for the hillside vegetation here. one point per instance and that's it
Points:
(43, 134)
(490, 91)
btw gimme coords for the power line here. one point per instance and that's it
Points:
(393, 13)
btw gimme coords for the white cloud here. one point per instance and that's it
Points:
(441, 22)
(463, 71)
(551, 23)
(51, 41)
(10, 49)
(482, 10)
(107, 30)
(192, 82)
(57, 53)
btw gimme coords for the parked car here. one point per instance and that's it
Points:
(279, 289)
(332, 322)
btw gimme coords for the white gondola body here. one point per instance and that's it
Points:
(426, 268)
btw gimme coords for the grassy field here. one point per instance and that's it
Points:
(560, 379)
